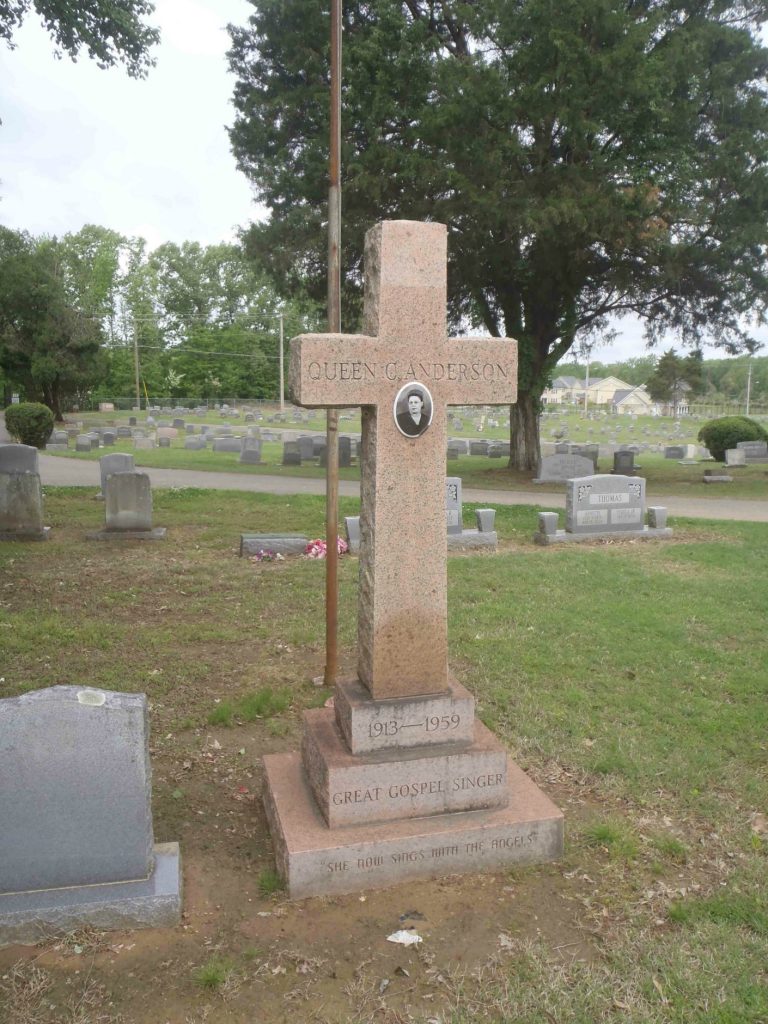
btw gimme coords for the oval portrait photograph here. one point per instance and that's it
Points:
(413, 409)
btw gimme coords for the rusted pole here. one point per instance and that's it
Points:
(334, 327)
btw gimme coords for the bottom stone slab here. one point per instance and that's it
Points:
(154, 902)
(314, 860)
(562, 537)
(43, 534)
(158, 533)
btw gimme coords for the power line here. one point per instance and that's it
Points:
(177, 350)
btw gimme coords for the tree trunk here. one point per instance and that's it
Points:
(524, 449)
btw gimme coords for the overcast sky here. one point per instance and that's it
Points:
(150, 157)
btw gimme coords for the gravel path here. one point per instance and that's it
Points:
(58, 471)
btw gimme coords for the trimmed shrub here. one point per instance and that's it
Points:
(29, 423)
(724, 433)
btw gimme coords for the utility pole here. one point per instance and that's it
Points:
(136, 362)
(749, 386)
(334, 327)
(282, 370)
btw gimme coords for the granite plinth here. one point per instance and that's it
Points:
(314, 860)
(280, 543)
(403, 722)
(389, 785)
(563, 537)
(157, 533)
(153, 902)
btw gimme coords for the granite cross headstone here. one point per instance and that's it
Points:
(404, 352)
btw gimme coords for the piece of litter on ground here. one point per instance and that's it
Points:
(383, 986)
(264, 913)
(405, 938)
(505, 942)
(402, 972)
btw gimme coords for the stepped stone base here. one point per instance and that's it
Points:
(368, 724)
(314, 860)
(154, 902)
(389, 785)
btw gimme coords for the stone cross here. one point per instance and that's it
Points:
(402, 604)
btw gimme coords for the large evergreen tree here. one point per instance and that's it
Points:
(590, 157)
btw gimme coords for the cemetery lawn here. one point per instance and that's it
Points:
(629, 679)
(664, 476)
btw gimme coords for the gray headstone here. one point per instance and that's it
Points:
(675, 451)
(143, 443)
(76, 846)
(131, 421)
(108, 438)
(128, 499)
(18, 458)
(21, 496)
(75, 798)
(624, 463)
(194, 444)
(453, 504)
(178, 423)
(657, 517)
(755, 451)
(251, 456)
(82, 443)
(486, 519)
(548, 523)
(352, 528)
(735, 457)
(306, 448)
(291, 453)
(117, 462)
(125, 431)
(226, 444)
(560, 468)
(345, 452)
(604, 503)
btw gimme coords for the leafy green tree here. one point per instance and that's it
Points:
(675, 378)
(591, 158)
(47, 346)
(111, 31)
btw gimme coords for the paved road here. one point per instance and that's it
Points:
(64, 472)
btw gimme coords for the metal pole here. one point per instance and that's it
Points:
(282, 370)
(136, 363)
(334, 327)
(749, 386)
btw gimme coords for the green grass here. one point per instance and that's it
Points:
(629, 679)
(612, 837)
(263, 704)
(269, 882)
(213, 974)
